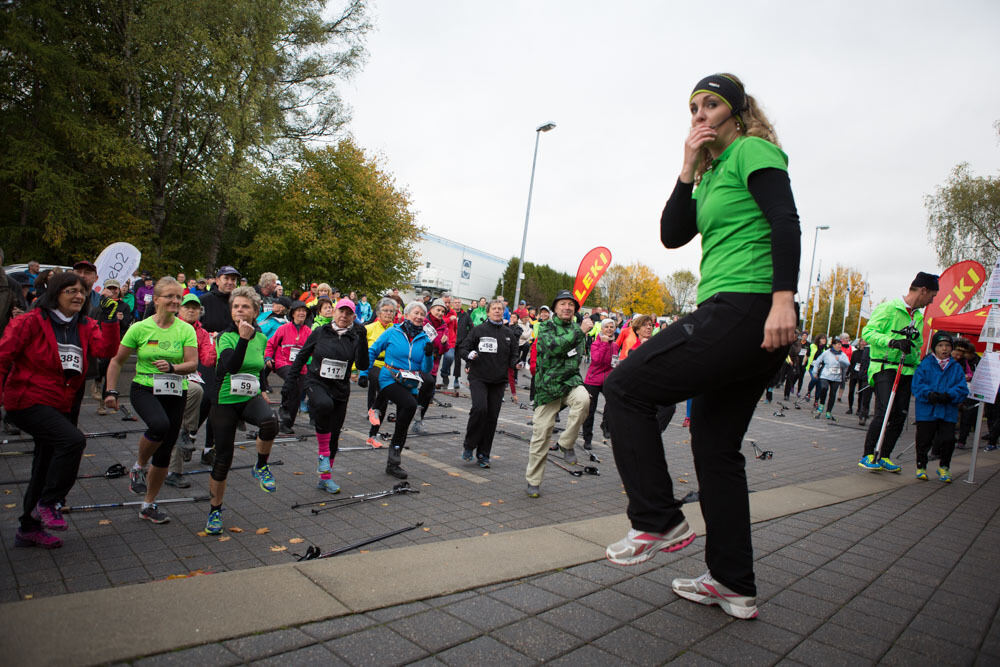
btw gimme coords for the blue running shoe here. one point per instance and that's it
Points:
(263, 474)
(467, 455)
(922, 474)
(214, 524)
(869, 463)
(888, 465)
(328, 485)
(944, 474)
(324, 464)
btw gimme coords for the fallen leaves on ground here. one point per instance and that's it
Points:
(296, 540)
(298, 473)
(426, 529)
(486, 504)
(10, 506)
(421, 484)
(201, 533)
(225, 538)
(87, 456)
(104, 522)
(682, 480)
(486, 533)
(455, 474)
(7, 492)
(263, 531)
(279, 547)
(235, 529)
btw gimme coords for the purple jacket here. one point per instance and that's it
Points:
(140, 299)
(600, 361)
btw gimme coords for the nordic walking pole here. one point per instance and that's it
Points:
(113, 472)
(909, 332)
(399, 487)
(239, 467)
(363, 498)
(313, 553)
(132, 503)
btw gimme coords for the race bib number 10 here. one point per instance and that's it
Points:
(168, 384)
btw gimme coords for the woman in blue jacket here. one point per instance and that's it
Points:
(939, 387)
(409, 353)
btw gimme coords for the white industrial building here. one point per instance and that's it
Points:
(448, 266)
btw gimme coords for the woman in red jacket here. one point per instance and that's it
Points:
(43, 363)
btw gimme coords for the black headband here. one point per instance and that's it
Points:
(725, 88)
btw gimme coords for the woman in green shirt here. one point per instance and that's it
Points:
(723, 354)
(166, 350)
(237, 398)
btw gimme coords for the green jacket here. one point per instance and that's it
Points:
(559, 349)
(478, 316)
(889, 316)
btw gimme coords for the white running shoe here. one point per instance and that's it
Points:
(706, 590)
(638, 546)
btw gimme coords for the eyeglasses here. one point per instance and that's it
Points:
(73, 291)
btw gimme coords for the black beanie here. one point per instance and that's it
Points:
(928, 280)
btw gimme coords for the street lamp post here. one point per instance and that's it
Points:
(531, 185)
(811, 263)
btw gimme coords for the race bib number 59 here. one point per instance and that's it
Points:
(244, 384)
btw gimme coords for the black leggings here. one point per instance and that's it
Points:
(713, 356)
(482, 424)
(59, 448)
(830, 388)
(291, 394)
(225, 417)
(327, 412)
(406, 407)
(163, 416)
(587, 431)
(938, 434)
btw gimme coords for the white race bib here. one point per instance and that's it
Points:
(411, 375)
(857, 367)
(267, 308)
(195, 377)
(571, 353)
(802, 352)
(333, 369)
(488, 345)
(168, 384)
(147, 298)
(293, 351)
(430, 331)
(244, 384)
(71, 357)
(614, 360)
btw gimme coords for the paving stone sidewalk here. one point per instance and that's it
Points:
(902, 577)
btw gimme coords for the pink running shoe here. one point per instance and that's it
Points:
(638, 547)
(50, 516)
(373, 417)
(36, 537)
(374, 443)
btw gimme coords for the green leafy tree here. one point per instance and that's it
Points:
(683, 286)
(540, 285)
(963, 218)
(335, 215)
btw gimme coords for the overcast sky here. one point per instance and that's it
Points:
(874, 102)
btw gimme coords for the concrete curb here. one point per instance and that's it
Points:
(105, 626)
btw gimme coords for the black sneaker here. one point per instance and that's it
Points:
(587, 445)
(850, 411)
(285, 429)
(137, 481)
(154, 515)
(395, 471)
(208, 458)
(177, 480)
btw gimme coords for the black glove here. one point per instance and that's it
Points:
(941, 398)
(902, 344)
(363, 381)
(429, 349)
(109, 309)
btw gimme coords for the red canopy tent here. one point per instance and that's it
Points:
(969, 324)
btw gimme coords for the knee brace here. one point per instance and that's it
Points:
(268, 428)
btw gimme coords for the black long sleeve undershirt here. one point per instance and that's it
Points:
(231, 360)
(772, 191)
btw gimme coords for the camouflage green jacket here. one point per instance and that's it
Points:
(559, 350)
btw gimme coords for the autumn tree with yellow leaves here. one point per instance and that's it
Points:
(635, 288)
(836, 284)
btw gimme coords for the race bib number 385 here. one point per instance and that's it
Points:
(71, 357)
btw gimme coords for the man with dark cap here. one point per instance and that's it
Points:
(888, 350)
(215, 314)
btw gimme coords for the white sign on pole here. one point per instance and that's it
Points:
(991, 328)
(986, 380)
(993, 286)
(866, 304)
(119, 261)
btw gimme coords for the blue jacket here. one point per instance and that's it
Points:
(364, 312)
(269, 323)
(400, 352)
(929, 377)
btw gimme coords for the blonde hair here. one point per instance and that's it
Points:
(753, 123)
(248, 293)
(165, 283)
(324, 287)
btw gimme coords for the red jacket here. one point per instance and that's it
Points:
(451, 317)
(279, 348)
(206, 348)
(31, 372)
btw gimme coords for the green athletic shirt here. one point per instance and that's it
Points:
(253, 361)
(735, 235)
(150, 343)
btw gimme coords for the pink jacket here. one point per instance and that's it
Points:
(600, 361)
(279, 348)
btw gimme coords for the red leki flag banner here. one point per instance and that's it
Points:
(593, 266)
(957, 285)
